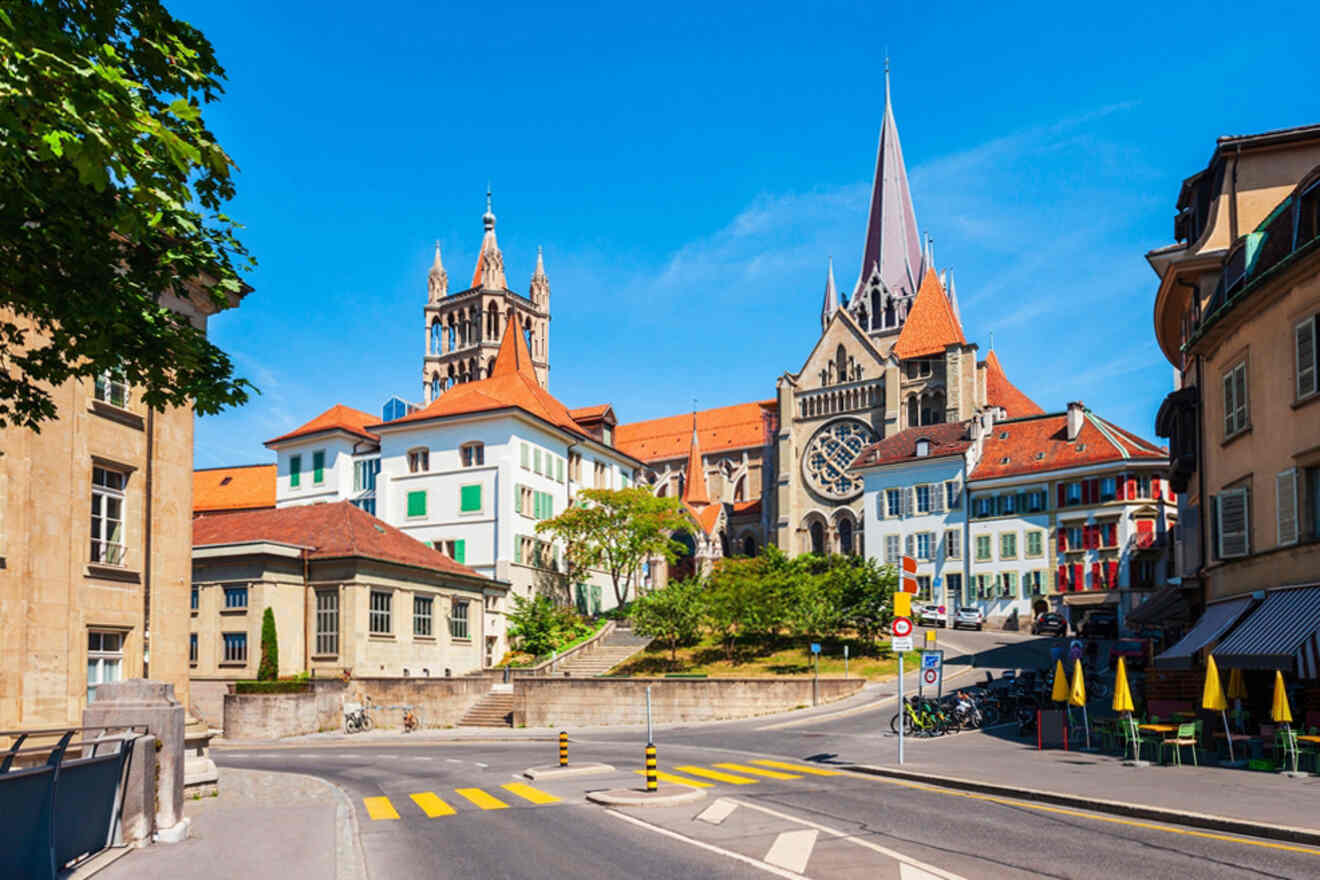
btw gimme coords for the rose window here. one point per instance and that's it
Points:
(829, 454)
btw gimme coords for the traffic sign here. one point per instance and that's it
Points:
(815, 647)
(901, 643)
(1075, 649)
(930, 638)
(902, 604)
(930, 675)
(902, 627)
(932, 669)
(907, 575)
(930, 660)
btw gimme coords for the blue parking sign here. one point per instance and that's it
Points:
(815, 647)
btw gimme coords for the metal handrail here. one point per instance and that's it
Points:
(59, 731)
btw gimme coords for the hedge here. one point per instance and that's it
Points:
(270, 687)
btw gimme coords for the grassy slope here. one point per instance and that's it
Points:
(772, 657)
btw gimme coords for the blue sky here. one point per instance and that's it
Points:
(688, 170)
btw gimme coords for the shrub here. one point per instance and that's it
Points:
(270, 687)
(269, 670)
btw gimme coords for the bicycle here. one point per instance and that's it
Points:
(356, 719)
(921, 718)
(410, 722)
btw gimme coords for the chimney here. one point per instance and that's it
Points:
(1075, 412)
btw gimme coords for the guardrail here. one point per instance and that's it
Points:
(550, 665)
(66, 807)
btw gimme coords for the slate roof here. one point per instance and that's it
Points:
(246, 487)
(336, 418)
(1001, 392)
(331, 531)
(948, 438)
(727, 427)
(1040, 443)
(931, 324)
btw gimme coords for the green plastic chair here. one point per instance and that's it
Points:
(1186, 736)
(1133, 739)
(1285, 748)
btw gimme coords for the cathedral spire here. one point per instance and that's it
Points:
(831, 304)
(893, 244)
(694, 479)
(437, 280)
(489, 274)
(538, 290)
(953, 296)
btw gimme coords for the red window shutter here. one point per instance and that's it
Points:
(1063, 494)
(1131, 487)
(1095, 575)
(1089, 537)
(1063, 578)
(1113, 575)
(1086, 491)
(1079, 583)
(1112, 537)
(1155, 488)
(1095, 491)
(1063, 539)
(1146, 526)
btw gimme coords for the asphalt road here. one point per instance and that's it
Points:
(458, 810)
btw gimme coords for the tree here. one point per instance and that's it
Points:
(269, 669)
(866, 592)
(616, 531)
(743, 597)
(540, 627)
(111, 206)
(672, 614)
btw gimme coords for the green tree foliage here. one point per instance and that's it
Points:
(269, 670)
(673, 614)
(616, 531)
(539, 626)
(111, 206)
(744, 597)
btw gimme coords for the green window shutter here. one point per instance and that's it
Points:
(469, 499)
(295, 470)
(318, 467)
(460, 550)
(417, 503)
(524, 455)
(517, 548)
(549, 505)
(536, 459)
(559, 469)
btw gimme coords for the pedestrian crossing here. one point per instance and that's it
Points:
(733, 773)
(432, 806)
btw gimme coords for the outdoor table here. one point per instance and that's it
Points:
(1308, 738)
(1159, 728)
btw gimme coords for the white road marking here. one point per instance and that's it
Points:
(422, 758)
(907, 871)
(718, 811)
(453, 760)
(792, 849)
(747, 860)
(479, 764)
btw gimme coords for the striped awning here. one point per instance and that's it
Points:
(1216, 621)
(1279, 634)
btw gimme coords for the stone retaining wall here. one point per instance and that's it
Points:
(565, 702)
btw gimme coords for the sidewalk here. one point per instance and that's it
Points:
(281, 826)
(1267, 801)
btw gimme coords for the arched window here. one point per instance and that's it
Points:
(435, 386)
(437, 336)
(463, 334)
(890, 318)
(472, 370)
(449, 380)
(818, 539)
(846, 536)
(841, 364)
(490, 367)
(453, 333)
(740, 489)
(493, 322)
(914, 411)
(749, 546)
(527, 333)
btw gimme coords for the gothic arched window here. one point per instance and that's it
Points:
(437, 336)
(841, 364)
(749, 546)
(914, 411)
(818, 539)
(846, 536)
(435, 386)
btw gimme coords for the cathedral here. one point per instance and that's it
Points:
(891, 355)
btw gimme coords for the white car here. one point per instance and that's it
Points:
(935, 615)
(969, 617)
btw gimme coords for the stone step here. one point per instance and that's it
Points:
(493, 710)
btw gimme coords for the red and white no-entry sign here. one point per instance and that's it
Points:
(902, 627)
(930, 675)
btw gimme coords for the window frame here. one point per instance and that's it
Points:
(104, 550)
(472, 454)
(459, 620)
(894, 502)
(893, 549)
(1039, 535)
(1245, 494)
(104, 386)
(463, 508)
(419, 460)
(1237, 413)
(1008, 545)
(380, 613)
(235, 590)
(228, 640)
(923, 552)
(326, 639)
(988, 544)
(953, 544)
(103, 656)
(295, 471)
(318, 467)
(423, 620)
(1309, 325)
(916, 501)
(409, 507)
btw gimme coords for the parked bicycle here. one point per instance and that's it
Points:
(356, 718)
(922, 717)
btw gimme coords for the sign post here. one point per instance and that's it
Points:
(815, 681)
(902, 709)
(845, 662)
(901, 642)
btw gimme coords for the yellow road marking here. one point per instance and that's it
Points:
(526, 792)
(716, 775)
(677, 780)
(798, 768)
(481, 799)
(758, 771)
(380, 808)
(431, 804)
(1113, 820)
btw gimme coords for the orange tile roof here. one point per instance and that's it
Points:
(931, 324)
(706, 517)
(745, 508)
(1039, 443)
(336, 418)
(330, 530)
(695, 491)
(947, 438)
(246, 487)
(1001, 392)
(718, 430)
(585, 413)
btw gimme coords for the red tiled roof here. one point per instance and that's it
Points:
(695, 492)
(718, 430)
(1001, 392)
(589, 412)
(336, 418)
(247, 487)
(931, 324)
(746, 508)
(1040, 443)
(331, 530)
(947, 438)
(706, 517)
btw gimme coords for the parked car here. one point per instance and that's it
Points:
(1133, 651)
(1050, 622)
(970, 617)
(932, 614)
(1099, 625)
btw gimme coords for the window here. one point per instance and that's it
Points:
(1031, 584)
(192, 649)
(953, 589)
(1231, 519)
(235, 647)
(1035, 543)
(1036, 501)
(923, 545)
(108, 516)
(923, 498)
(236, 597)
(1075, 538)
(1073, 493)
(318, 467)
(559, 470)
(111, 388)
(1235, 400)
(422, 616)
(892, 553)
(982, 548)
(536, 460)
(194, 601)
(469, 498)
(575, 467)
(923, 587)
(983, 586)
(105, 659)
(952, 544)
(1007, 504)
(952, 495)
(295, 471)
(525, 456)
(602, 476)
(1008, 545)
(365, 472)
(458, 621)
(1008, 585)
(1304, 348)
(327, 621)
(1285, 507)
(419, 460)
(417, 503)
(378, 617)
(893, 500)
(1108, 489)
(472, 454)
(1309, 509)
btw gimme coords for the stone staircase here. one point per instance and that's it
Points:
(493, 710)
(615, 648)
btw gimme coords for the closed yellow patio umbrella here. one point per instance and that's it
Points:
(1077, 696)
(1212, 698)
(1237, 688)
(1122, 692)
(1280, 711)
(1059, 693)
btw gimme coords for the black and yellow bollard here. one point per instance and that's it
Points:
(563, 748)
(651, 783)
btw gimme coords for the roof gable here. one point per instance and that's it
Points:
(336, 418)
(842, 329)
(931, 325)
(1003, 393)
(947, 438)
(246, 487)
(1040, 443)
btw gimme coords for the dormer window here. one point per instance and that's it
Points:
(1004, 460)
(923, 448)
(1003, 435)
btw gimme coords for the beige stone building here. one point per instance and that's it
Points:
(95, 542)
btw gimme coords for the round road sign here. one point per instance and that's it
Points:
(902, 627)
(930, 675)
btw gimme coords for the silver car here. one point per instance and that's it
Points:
(967, 616)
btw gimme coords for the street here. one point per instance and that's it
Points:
(775, 803)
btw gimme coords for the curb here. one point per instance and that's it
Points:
(1245, 827)
(631, 797)
(557, 772)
